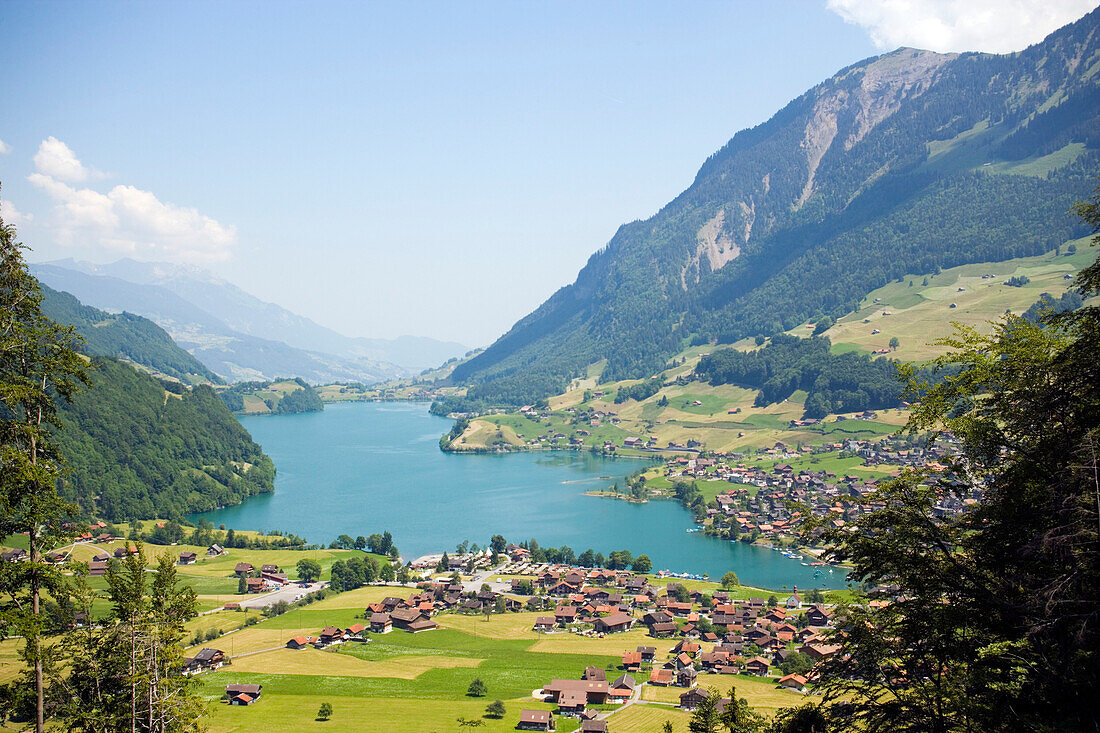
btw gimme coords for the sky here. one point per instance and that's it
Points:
(427, 168)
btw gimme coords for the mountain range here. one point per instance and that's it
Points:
(234, 334)
(904, 163)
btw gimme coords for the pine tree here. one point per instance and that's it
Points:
(38, 362)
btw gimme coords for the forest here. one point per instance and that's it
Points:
(834, 382)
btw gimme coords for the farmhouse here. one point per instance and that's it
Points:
(188, 558)
(613, 623)
(380, 623)
(536, 720)
(243, 694)
(205, 660)
(593, 691)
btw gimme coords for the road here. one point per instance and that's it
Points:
(289, 593)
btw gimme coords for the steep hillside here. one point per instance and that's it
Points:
(909, 162)
(137, 450)
(282, 397)
(125, 336)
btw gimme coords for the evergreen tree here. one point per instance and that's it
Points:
(38, 364)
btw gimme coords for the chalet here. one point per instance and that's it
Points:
(380, 623)
(632, 661)
(274, 577)
(243, 694)
(300, 642)
(793, 682)
(661, 677)
(124, 551)
(818, 616)
(536, 720)
(686, 647)
(693, 698)
(656, 617)
(757, 666)
(215, 550)
(205, 660)
(329, 635)
(647, 652)
(622, 688)
(355, 631)
(16, 555)
(253, 585)
(571, 702)
(686, 676)
(545, 623)
(188, 558)
(662, 630)
(593, 725)
(565, 614)
(614, 623)
(592, 691)
(269, 568)
(594, 673)
(244, 569)
(97, 567)
(55, 557)
(817, 652)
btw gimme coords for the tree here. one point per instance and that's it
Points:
(815, 596)
(325, 712)
(738, 717)
(498, 543)
(477, 688)
(308, 570)
(667, 727)
(124, 674)
(495, 709)
(360, 543)
(38, 363)
(772, 601)
(894, 343)
(642, 564)
(804, 719)
(796, 663)
(729, 580)
(993, 628)
(705, 717)
(387, 574)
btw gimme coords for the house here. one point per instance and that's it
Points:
(757, 666)
(188, 558)
(647, 652)
(215, 550)
(793, 601)
(411, 620)
(632, 661)
(613, 623)
(593, 691)
(206, 660)
(622, 688)
(662, 630)
(545, 623)
(686, 676)
(355, 631)
(253, 585)
(329, 635)
(536, 720)
(594, 673)
(817, 652)
(594, 726)
(243, 694)
(380, 623)
(571, 702)
(124, 551)
(97, 567)
(793, 682)
(244, 569)
(661, 677)
(269, 568)
(14, 555)
(818, 616)
(300, 642)
(692, 698)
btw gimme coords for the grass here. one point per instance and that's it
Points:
(316, 662)
(646, 719)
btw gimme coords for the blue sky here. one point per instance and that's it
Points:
(429, 168)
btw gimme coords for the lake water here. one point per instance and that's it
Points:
(359, 468)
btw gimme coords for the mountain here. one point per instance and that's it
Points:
(189, 304)
(903, 163)
(125, 336)
(249, 315)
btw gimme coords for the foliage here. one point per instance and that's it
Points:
(477, 688)
(495, 709)
(124, 336)
(308, 570)
(642, 564)
(906, 195)
(848, 382)
(136, 453)
(730, 580)
(302, 399)
(994, 627)
(641, 391)
(325, 712)
(39, 368)
(1046, 305)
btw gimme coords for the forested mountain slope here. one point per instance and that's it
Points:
(908, 162)
(125, 336)
(135, 450)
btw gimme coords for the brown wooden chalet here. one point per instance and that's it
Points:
(536, 720)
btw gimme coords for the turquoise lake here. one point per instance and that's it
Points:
(368, 467)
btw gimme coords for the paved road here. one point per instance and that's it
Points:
(486, 576)
(289, 593)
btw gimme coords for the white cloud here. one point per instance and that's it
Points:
(12, 215)
(55, 159)
(127, 220)
(4, 148)
(996, 26)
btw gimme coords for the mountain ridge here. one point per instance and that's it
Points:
(836, 194)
